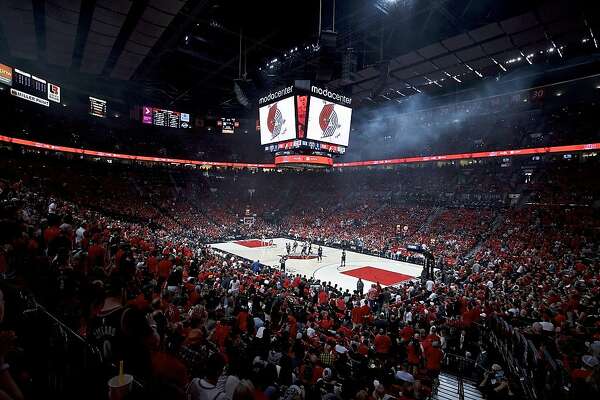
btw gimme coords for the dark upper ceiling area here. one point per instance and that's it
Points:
(185, 53)
(172, 50)
(496, 41)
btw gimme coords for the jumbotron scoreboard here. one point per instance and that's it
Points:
(27, 86)
(305, 125)
(165, 118)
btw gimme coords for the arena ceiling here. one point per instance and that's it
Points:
(546, 33)
(169, 46)
(185, 52)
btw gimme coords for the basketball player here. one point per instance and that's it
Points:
(343, 263)
(320, 254)
(288, 248)
(295, 246)
(309, 248)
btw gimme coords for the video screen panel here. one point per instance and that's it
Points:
(6, 74)
(31, 88)
(228, 125)
(184, 120)
(278, 121)
(328, 122)
(167, 118)
(97, 107)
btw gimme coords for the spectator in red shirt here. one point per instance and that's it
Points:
(414, 353)
(96, 254)
(221, 333)
(325, 323)
(433, 359)
(164, 268)
(406, 333)
(323, 297)
(152, 265)
(383, 343)
(242, 320)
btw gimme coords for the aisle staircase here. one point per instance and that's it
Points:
(493, 227)
(430, 218)
(449, 388)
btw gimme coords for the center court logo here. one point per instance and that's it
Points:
(328, 121)
(275, 121)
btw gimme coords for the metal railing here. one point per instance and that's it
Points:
(540, 375)
(67, 365)
(461, 368)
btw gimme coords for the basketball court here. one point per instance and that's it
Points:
(370, 269)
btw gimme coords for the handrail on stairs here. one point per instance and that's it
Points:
(458, 365)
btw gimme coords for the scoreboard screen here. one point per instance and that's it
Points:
(167, 118)
(32, 88)
(98, 107)
(228, 125)
(304, 120)
(328, 122)
(278, 121)
(6, 74)
(184, 120)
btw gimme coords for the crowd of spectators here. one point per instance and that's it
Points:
(121, 258)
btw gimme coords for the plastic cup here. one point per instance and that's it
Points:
(119, 386)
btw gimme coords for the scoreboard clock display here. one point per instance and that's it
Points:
(33, 88)
(167, 118)
(98, 107)
(228, 125)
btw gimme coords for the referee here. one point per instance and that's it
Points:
(282, 263)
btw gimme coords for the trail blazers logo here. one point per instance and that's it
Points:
(328, 121)
(275, 122)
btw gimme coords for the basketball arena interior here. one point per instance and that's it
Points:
(273, 200)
